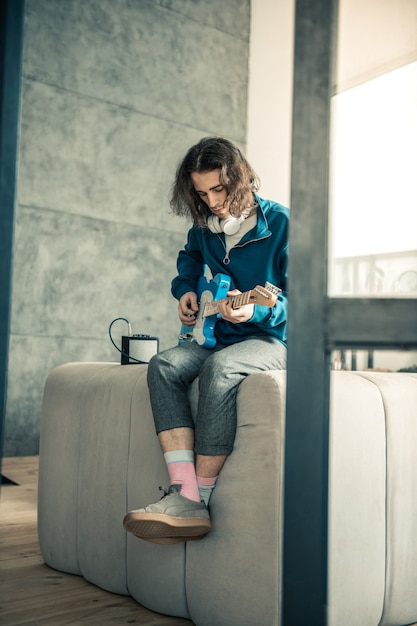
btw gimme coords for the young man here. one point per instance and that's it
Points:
(240, 236)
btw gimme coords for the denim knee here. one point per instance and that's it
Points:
(170, 374)
(168, 394)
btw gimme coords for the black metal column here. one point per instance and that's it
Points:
(307, 422)
(11, 45)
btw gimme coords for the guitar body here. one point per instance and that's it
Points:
(208, 294)
(207, 291)
(203, 330)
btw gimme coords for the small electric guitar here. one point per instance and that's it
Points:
(209, 294)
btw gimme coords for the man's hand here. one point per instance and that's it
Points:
(236, 316)
(187, 308)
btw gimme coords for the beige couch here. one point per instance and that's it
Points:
(99, 457)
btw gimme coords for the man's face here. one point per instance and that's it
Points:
(212, 192)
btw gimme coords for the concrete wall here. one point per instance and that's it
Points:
(113, 93)
(270, 95)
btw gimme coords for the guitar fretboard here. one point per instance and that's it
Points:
(212, 308)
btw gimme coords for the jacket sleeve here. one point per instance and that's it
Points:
(271, 317)
(190, 266)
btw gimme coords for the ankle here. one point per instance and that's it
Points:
(180, 464)
(206, 487)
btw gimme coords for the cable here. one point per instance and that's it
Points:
(128, 356)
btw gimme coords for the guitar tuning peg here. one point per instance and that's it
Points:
(272, 288)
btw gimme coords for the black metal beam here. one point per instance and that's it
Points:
(317, 323)
(11, 45)
(375, 323)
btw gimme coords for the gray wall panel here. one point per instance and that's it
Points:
(113, 93)
(79, 273)
(142, 56)
(89, 157)
(230, 17)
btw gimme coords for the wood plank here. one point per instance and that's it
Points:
(33, 594)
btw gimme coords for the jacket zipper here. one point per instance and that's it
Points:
(226, 259)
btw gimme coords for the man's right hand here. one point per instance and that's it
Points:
(187, 308)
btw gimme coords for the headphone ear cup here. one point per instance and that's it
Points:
(214, 224)
(231, 225)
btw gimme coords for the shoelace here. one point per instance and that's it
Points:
(164, 491)
(167, 493)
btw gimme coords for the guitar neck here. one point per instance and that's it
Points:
(212, 308)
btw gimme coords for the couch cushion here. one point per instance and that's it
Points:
(59, 453)
(233, 574)
(103, 461)
(155, 573)
(357, 521)
(399, 396)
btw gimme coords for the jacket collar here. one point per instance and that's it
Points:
(261, 229)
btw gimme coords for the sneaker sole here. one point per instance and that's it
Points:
(160, 526)
(168, 541)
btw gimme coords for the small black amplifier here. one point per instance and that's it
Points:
(138, 348)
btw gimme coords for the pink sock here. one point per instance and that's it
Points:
(183, 473)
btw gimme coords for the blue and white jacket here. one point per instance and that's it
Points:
(261, 255)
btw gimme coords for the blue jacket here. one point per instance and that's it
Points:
(261, 255)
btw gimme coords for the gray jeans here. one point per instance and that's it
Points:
(220, 371)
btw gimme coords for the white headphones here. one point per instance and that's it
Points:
(228, 226)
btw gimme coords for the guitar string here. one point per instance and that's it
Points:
(240, 299)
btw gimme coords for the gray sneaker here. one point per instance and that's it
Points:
(173, 519)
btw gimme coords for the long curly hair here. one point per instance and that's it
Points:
(236, 175)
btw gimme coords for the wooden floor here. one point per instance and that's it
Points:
(33, 594)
